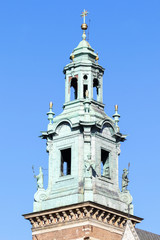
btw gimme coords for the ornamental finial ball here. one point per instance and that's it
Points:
(97, 57)
(50, 105)
(72, 57)
(116, 107)
(84, 26)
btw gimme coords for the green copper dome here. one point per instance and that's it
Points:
(83, 51)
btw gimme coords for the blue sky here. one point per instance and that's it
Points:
(36, 39)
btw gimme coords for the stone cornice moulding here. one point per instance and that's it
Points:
(80, 212)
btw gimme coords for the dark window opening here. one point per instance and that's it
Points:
(105, 171)
(73, 89)
(85, 77)
(95, 88)
(66, 162)
(85, 87)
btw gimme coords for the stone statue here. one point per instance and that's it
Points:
(39, 178)
(125, 180)
(88, 167)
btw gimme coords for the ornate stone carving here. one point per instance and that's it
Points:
(39, 178)
(85, 210)
(49, 145)
(125, 180)
(88, 169)
(40, 195)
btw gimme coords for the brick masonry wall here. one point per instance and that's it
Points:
(79, 233)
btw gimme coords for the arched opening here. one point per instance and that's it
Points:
(105, 170)
(95, 88)
(85, 88)
(73, 92)
(65, 162)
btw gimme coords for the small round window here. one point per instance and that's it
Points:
(85, 77)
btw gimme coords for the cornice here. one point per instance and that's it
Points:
(80, 212)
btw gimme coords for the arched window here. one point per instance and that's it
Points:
(73, 89)
(95, 88)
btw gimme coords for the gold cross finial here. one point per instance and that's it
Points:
(84, 13)
(84, 25)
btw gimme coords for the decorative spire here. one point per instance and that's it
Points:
(84, 25)
(116, 117)
(50, 113)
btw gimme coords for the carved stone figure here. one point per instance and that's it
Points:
(39, 178)
(125, 180)
(88, 168)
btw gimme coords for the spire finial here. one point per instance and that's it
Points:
(84, 25)
(116, 107)
(50, 113)
(50, 105)
(116, 117)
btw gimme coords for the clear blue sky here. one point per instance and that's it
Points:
(36, 39)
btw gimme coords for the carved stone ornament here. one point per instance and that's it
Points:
(78, 213)
(49, 146)
(40, 195)
(127, 198)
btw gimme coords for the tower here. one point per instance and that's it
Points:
(83, 199)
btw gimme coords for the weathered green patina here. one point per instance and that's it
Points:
(83, 142)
